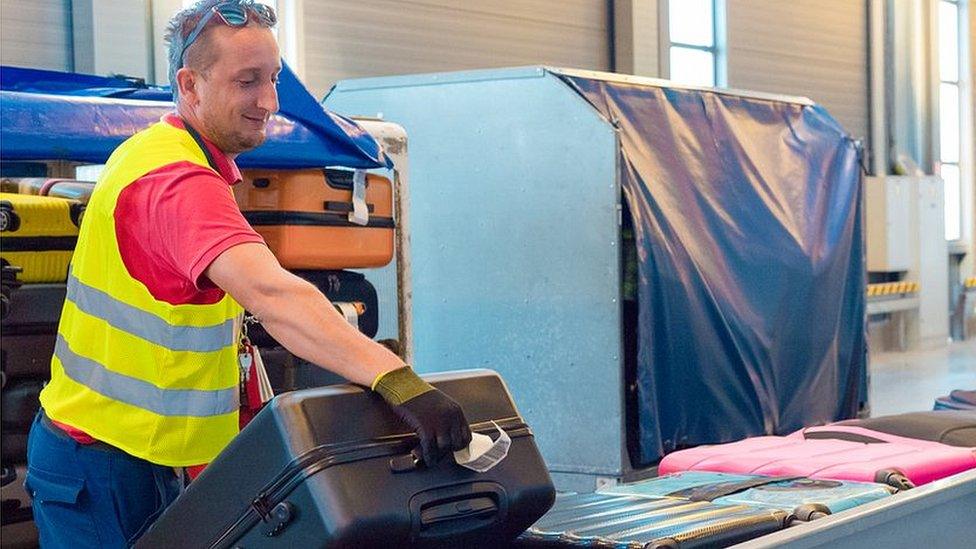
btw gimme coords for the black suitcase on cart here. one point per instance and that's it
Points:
(330, 467)
(952, 427)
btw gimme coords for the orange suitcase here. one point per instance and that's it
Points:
(304, 216)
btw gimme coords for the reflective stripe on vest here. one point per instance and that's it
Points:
(146, 325)
(165, 402)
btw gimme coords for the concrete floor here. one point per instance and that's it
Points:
(911, 381)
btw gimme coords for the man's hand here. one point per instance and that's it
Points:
(437, 419)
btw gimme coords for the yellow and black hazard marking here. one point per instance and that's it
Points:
(892, 288)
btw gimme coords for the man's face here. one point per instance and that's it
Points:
(234, 99)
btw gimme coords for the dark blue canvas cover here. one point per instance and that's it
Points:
(49, 115)
(751, 270)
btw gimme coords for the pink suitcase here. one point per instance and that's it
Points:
(865, 455)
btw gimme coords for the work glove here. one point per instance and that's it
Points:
(436, 418)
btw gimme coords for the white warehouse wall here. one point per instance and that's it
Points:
(36, 33)
(816, 48)
(384, 37)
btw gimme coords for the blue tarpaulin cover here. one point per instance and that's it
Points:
(49, 115)
(751, 265)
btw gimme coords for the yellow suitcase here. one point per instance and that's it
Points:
(38, 234)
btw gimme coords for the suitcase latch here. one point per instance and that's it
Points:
(405, 463)
(278, 518)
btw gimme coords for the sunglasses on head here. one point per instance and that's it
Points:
(234, 13)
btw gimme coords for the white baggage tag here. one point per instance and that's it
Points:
(348, 311)
(360, 210)
(483, 454)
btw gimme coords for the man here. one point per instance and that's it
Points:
(144, 381)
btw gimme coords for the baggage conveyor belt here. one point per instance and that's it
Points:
(935, 516)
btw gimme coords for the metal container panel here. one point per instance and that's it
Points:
(515, 212)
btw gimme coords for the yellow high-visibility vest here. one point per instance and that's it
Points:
(157, 380)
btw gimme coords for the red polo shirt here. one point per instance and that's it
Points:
(172, 223)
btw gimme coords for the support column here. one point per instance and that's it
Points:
(113, 37)
(635, 38)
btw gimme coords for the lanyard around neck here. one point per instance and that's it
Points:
(203, 146)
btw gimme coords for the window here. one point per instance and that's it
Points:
(951, 33)
(693, 43)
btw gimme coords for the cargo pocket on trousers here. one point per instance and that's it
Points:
(59, 509)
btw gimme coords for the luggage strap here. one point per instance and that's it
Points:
(711, 492)
(312, 219)
(322, 457)
(39, 243)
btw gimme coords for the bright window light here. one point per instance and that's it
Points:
(949, 122)
(948, 41)
(950, 115)
(953, 197)
(695, 38)
(692, 66)
(691, 22)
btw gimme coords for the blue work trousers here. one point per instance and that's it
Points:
(92, 495)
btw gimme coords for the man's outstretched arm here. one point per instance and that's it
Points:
(304, 321)
(298, 315)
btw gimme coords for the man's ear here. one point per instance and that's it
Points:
(187, 81)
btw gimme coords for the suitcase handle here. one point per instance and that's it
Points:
(458, 510)
(340, 179)
(414, 461)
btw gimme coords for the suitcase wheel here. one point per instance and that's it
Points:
(894, 478)
(77, 213)
(808, 512)
(9, 220)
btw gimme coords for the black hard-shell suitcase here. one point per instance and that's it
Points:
(952, 427)
(23, 356)
(329, 467)
(34, 309)
(339, 287)
(288, 372)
